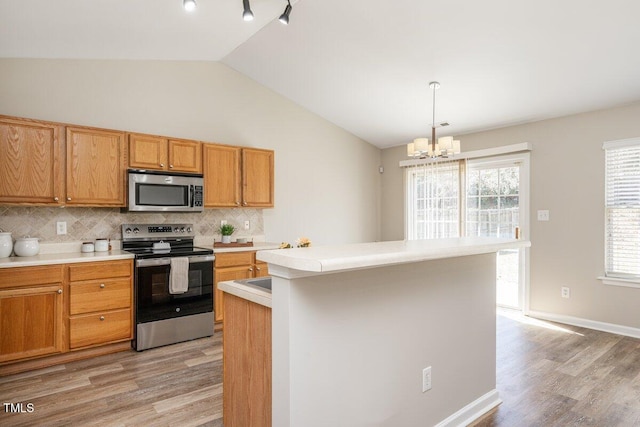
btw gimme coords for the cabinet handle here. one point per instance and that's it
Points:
(237, 203)
(55, 199)
(59, 291)
(258, 268)
(68, 199)
(101, 318)
(161, 165)
(244, 203)
(102, 285)
(250, 269)
(170, 166)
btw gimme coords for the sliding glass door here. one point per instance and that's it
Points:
(493, 209)
(485, 197)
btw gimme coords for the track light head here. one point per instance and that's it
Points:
(189, 5)
(284, 18)
(247, 15)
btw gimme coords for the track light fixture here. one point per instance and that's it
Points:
(189, 5)
(247, 15)
(284, 18)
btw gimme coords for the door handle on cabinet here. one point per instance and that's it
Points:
(161, 165)
(68, 199)
(102, 285)
(59, 291)
(101, 318)
(55, 199)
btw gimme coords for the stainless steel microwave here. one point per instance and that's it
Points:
(157, 191)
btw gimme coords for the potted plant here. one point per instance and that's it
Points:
(226, 230)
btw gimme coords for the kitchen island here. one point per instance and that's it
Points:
(355, 326)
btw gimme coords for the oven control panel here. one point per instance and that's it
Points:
(156, 231)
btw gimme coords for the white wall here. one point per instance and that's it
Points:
(567, 178)
(349, 347)
(327, 181)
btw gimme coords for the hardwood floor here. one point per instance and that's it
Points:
(178, 385)
(548, 375)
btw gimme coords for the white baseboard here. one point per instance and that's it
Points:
(472, 411)
(586, 323)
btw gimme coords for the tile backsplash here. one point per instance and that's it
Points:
(85, 224)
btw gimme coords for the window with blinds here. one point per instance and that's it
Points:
(622, 208)
(433, 200)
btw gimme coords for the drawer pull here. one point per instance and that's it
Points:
(258, 268)
(250, 269)
(101, 317)
(102, 285)
(59, 291)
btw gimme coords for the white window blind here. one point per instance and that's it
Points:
(433, 200)
(622, 208)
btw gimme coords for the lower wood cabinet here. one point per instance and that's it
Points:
(31, 312)
(234, 266)
(100, 303)
(247, 361)
(53, 310)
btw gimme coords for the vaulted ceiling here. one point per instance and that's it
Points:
(365, 65)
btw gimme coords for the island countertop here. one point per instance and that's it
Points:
(333, 258)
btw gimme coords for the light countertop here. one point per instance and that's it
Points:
(250, 293)
(63, 258)
(325, 259)
(257, 246)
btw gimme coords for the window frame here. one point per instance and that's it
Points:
(612, 277)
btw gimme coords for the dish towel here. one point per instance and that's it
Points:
(179, 275)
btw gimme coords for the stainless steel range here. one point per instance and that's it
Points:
(173, 284)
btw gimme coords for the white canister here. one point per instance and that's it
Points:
(87, 247)
(6, 244)
(101, 245)
(26, 246)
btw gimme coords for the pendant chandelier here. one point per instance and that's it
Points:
(438, 148)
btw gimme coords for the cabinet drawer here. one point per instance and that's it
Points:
(24, 276)
(99, 270)
(99, 295)
(231, 259)
(99, 328)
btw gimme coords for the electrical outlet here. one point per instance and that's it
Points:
(247, 225)
(223, 222)
(565, 292)
(426, 379)
(61, 227)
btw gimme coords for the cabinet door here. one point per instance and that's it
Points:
(147, 152)
(30, 322)
(261, 269)
(95, 167)
(221, 175)
(31, 169)
(185, 156)
(222, 275)
(257, 178)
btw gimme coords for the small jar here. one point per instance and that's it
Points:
(87, 247)
(6, 244)
(102, 245)
(27, 246)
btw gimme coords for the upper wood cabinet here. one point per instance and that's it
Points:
(96, 167)
(237, 176)
(31, 162)
(156, 152)
(223, 185)
(257, 177)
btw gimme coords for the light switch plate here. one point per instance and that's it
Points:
(543, 215)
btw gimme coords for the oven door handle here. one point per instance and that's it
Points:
(152, 262)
